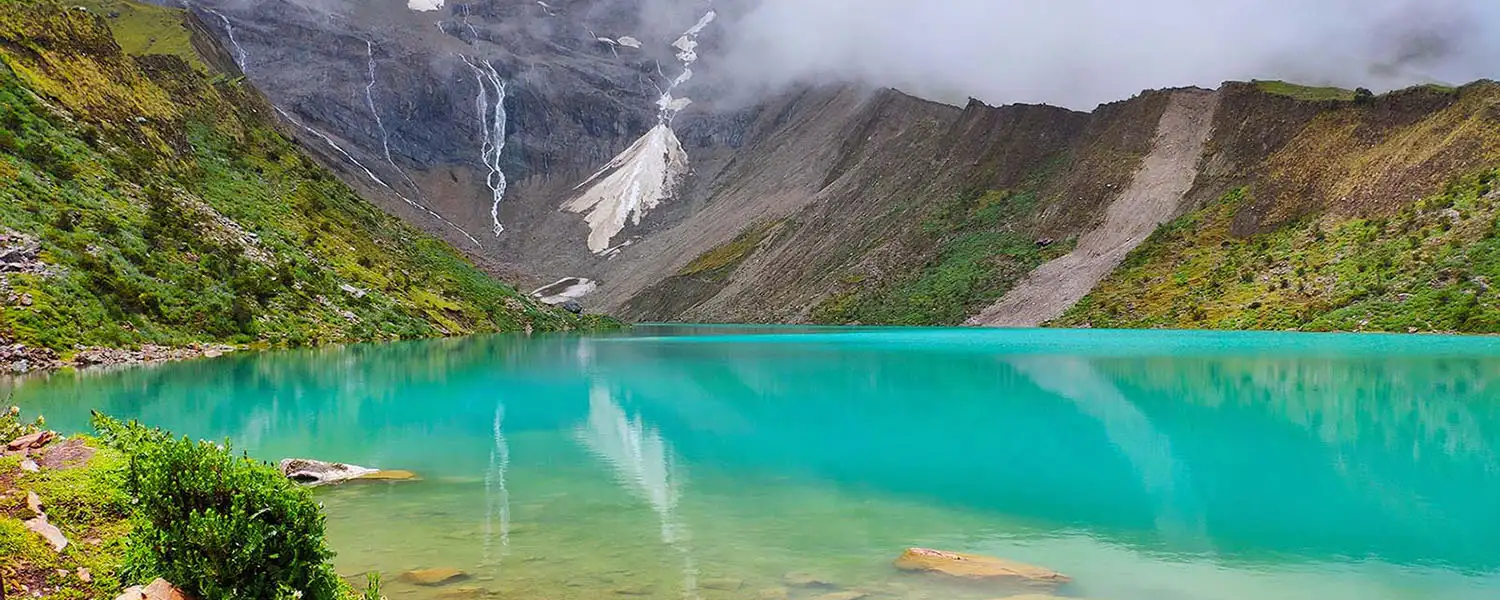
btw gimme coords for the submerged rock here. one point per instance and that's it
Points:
(433, 577)
(975, 567)
(778, 593)
(392, 475)
(849, 595)
(807, 580)
(722, 584)
(317, 472)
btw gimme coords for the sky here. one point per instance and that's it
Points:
(1079, 53)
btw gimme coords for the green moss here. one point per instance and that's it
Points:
(143, 29)
(718, 263)
(1302, 92)
(1430, 267)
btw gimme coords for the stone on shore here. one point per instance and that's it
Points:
(433, 577)
(317, 472)
(976, 567)
(69, 454)
(28, 442)
(48, 531)
(157, 590)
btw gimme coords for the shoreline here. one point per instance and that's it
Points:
(17, 359)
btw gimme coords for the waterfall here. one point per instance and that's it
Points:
(385, 138)
(371, 174)
(492, 122)
(648, 172)
(240, 56)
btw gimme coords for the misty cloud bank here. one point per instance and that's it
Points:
(1079, 53)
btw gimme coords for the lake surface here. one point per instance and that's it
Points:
(708, 463)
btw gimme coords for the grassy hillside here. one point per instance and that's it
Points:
(1430, 267)
(168, 208)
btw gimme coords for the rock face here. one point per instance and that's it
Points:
(976, 567)
(438, 114)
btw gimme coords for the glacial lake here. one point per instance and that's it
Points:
(713, 462)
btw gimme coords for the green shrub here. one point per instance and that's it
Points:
(217, 525)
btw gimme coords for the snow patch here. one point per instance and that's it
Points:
(568, 288)
(649, 171)
(632, 184)
(424, 5)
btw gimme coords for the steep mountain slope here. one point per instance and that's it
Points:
(152, 199)
(1377, 216)
(828, 203)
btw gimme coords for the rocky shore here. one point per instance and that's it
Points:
(17, 358)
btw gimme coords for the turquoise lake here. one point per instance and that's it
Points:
(711, 462)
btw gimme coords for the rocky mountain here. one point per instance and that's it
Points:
(593, 142)
(150, 196)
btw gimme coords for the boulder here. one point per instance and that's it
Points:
(976, 567)
(69, 454)
(433, 577)
(28, 442)
(30, 466)
(157, 590)
(48, 531)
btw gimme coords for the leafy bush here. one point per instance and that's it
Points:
(217, 525)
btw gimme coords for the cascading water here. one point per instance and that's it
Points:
(649, 171)
(492, 119)
(240, 56)
(373, 177)
(242, 59)
(385, 137)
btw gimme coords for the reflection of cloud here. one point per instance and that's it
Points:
(1129, 429)
(642, 462)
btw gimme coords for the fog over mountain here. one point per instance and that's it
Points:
(1079, 53)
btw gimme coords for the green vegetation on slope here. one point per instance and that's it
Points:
(717, 264)
(1307, 93)
(143, 29)
(981, 251)
(169, 210)
(1430, 267)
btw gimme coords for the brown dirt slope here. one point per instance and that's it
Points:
(1154, 197)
